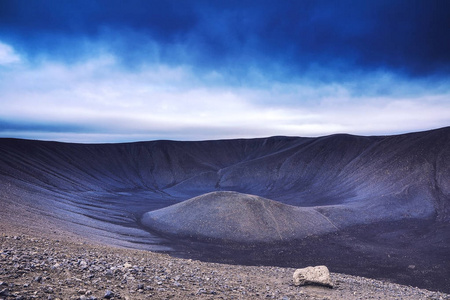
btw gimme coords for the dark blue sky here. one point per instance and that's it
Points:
(126, 70)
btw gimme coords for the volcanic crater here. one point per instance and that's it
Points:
(370, 206)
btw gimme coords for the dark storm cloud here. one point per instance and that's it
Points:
(288, 37)
(163, 18)
(62, 28)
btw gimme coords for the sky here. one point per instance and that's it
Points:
(119, 71)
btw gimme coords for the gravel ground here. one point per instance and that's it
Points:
(36, 267)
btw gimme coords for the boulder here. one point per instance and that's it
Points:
(318, 275)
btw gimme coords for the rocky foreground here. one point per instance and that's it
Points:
(41, 268)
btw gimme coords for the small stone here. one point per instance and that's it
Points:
(127, 265)
(108, 294)
(4, 292)
(83, 264)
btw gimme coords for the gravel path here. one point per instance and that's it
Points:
(42, 268)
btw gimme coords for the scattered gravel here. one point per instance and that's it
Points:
(42, 268)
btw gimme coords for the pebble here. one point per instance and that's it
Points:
(108, 294)
(4, 292)
(36, 268)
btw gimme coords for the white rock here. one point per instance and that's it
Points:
(318, 275)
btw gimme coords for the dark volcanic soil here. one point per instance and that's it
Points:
(368, 250)
(370, 206)
(40, 268)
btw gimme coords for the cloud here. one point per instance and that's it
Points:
(233, 37)
(8, 55)
(97, 99)
(109, 71)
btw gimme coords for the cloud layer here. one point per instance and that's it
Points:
(95, 71)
